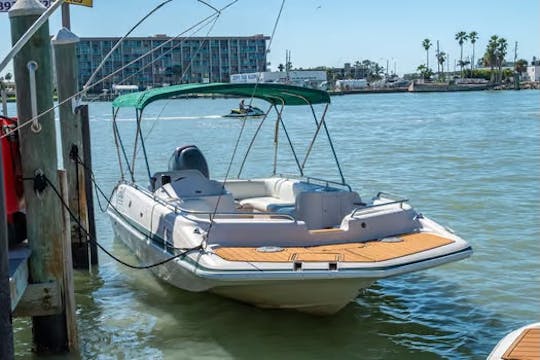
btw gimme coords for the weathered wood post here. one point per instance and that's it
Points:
(6, 330)
(64, 44)
(38, 149)
(87, 156)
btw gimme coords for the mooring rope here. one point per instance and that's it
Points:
(40, 183)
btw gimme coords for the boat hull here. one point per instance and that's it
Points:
(319, 297)
(320, 280)
(315, 296)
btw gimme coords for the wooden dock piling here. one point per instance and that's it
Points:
(71, 124)
(38, 151)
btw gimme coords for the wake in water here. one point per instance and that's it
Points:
(163, 118)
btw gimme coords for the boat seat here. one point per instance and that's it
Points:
(318, 206)
(188, 183)
(269, 195)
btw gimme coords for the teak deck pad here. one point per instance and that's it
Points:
(525, 347)
(370, 251)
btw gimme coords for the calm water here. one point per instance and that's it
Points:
(469, 160)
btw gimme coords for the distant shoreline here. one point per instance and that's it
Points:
(403, 89)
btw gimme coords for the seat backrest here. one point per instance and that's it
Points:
(325, 209)
(192, 183)
(244, 189)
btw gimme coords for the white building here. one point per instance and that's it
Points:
(308, 78)
(533, 72)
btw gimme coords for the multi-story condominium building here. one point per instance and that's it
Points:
(181, 60)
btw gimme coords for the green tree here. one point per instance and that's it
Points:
(500, 53)
(490, 58)
(441, 58)
(281, 67)
(8, 76)
(473, 36)
(425, 72)
(461, 37)
(288, 66)
(521, 65)
(427, 44)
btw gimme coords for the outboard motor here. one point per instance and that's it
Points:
(188, 157)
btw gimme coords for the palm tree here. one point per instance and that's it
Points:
(461, 37)
(281, 67)
(500, 53)
(441, 58)
(473, 36)
(521, 65)
(357, 66)
(490, 58)
(424, 71)
(427, 44)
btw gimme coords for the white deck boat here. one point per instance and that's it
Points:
(278, 242)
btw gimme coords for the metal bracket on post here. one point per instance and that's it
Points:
(32, 68)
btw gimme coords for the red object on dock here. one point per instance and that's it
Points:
(11, 162)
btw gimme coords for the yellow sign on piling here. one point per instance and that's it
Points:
(81, 2)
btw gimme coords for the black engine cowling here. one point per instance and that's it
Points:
(188, 157)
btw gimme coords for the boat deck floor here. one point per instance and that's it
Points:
(371, 251)
(526, 346)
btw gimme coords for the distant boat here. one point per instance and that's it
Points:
(420, 86)
(283, 241)
(520, 344)
(247, 111)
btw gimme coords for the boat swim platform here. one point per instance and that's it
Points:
(525, 347)
(371, 251)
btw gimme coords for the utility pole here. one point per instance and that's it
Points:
(517, 75)
(438, 63)
(32, 70)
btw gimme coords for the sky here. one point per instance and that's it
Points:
(324, 32)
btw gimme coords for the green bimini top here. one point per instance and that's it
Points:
(275, 94)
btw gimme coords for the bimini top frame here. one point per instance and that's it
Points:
(275, 94)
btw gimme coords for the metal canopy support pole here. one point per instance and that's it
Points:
(144, 149)
(276, 136)
(136, 141)
(329, 140)
(117, 143)
(138, 135)
(38, 149)
(292, 147)
(253, 140)
(319, 124)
